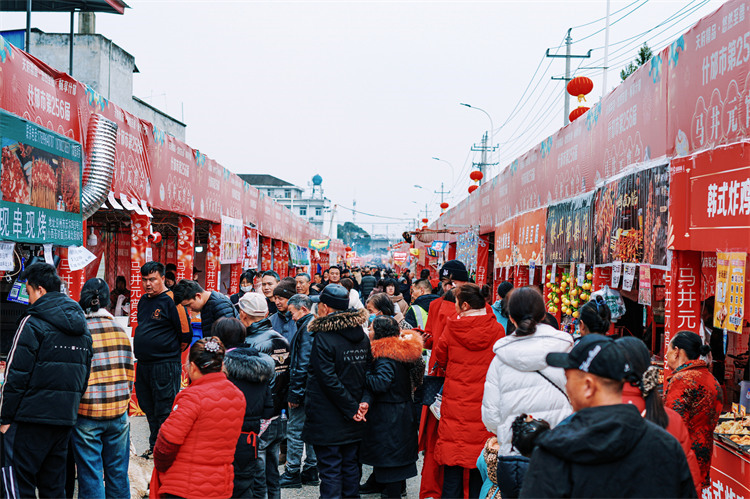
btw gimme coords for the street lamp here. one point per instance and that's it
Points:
(453, 172)
(491, 133)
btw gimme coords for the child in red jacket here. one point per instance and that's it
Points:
(195, 447)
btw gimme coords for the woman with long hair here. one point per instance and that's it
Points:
(641, 390)
(595, 317)
(391, 288)
(196, 444)
(693, 392)
(464, 351)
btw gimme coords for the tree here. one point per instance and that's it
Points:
(354, 236)
(644, 55)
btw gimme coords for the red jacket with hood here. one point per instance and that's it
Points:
(464, 350)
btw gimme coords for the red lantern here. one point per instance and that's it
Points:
(580, 86)
(441, 214)
(424, 227)
(444, 205)
(425, 220)
(348, 248)
(577, 113)
(476, 176)
(473, 188)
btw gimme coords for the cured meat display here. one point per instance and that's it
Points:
(69, 185)
(13, 181)
(43, 185)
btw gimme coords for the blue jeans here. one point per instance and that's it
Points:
(102, 449)
(295, 444)
(268, 454)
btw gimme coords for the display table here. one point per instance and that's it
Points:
(730, 473)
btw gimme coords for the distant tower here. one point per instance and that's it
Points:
(317, 187)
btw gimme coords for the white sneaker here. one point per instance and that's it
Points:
(435, 406)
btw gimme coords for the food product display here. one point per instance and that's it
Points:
(734, 427)
(69, 181)
(741, 440)
(13, 181)
(43, 185)
(567, 296)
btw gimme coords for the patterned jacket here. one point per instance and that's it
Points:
(696, 396)
(112, 373)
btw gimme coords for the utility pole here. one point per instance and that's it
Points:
(442, 192)
(567, 78)
(484, 149)
(606, 53)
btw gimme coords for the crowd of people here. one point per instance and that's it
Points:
(328, 372)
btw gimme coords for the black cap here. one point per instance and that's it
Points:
(594, 354)
(454, 269)
(334, 295)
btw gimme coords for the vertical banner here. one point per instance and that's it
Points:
(140, 227)
(644, 284)
(483, 256)
(213, 251)
(266, 254)
(250, 260)
(682, 298)
(521, 277)
(232, 235)
(235, 271)
(73, 279)
(730, 291)
(185, 248)
(602, 277)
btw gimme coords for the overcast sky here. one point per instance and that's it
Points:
(366, 93)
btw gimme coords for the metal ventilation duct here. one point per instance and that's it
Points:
(100, 164)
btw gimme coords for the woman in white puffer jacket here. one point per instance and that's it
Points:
(519, 381)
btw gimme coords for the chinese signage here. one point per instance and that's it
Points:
(467, 247)
(232, 235)
(569, 231)
(730, 291)
(528, 240)
(251, 248)
(40, 184)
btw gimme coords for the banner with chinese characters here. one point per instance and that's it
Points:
(569, 231)
(628, 209)
(232, 235)
(40, 184)
(709, 201)
(729, 308)
(250, 260)
(466, 249)
(504, 243)
(213, 251)
(529, 234)
(682, 307)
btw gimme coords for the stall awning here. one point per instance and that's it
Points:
(107, 6)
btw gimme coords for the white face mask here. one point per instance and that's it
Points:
(246, 289)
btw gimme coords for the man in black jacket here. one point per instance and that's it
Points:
(605, 449)
(45, 377)
(421, 293)
(334, 411)
(162, 332)
(299, 306)
(262, 337)
(210, 304)
(368, 284)
(282, 321)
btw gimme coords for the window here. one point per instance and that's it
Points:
(270, 192)
(287, 193)
(318, 212)
(303, 211)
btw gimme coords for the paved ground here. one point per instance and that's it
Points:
(139, 438)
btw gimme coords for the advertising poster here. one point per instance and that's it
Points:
(251, 246)
(232, 235)
(569, 231)
(40, 184)
(466, 249)
(644, 285)
(730, 291)
(529, 234)
(504, 244)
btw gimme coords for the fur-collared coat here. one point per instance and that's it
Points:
(339, 359)
(391, 435)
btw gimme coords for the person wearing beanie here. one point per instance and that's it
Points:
(101, 437)
(499, 308)
(282, 321)
(606, 448)
(212, 305)
(262, 337)
(452, 274)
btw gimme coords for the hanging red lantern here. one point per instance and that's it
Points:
(476, 176)
(444, 205)
(577, 113)
(348, 248)
(424, 227)
(425, 220)
(580, 86)
(473, 188)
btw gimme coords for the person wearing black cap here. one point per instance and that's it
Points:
(605, 449)
(282, 321)
(335, 407)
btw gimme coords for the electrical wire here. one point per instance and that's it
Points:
(611, 24)
(371, 215)
(605, 17)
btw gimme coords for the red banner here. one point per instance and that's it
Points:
(235, 270)
(483, 257)
(529, 237)
(682, 305)
(185, 248)
(140, 226)
(266, 251)
(73, 279)
(213, 267)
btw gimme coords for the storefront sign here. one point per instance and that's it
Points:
(40, 182)
(569, 231)
(232, 235)
(504, 243)
(213, 250)
(730, 291)
(529, 237)
(185, 248)
(250, 260)
(682, 296)
(644, 285)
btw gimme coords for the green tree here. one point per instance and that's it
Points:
(644, 55)
(354, 236)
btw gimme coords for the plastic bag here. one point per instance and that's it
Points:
(613, 300)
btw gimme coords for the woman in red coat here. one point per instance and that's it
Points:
(195, 448)
(464, 350)
(693, 392)
(641, 391)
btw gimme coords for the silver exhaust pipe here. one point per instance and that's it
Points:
(99, 171)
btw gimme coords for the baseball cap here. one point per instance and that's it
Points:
(594, 354)
(454, 269)
(334, 295)
(253, 304)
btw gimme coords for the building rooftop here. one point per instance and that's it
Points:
(264, 180)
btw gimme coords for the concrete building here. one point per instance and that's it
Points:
(310, 203)
(99, 63)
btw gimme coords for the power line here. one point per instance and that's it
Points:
(371, 215)
(603, 18)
